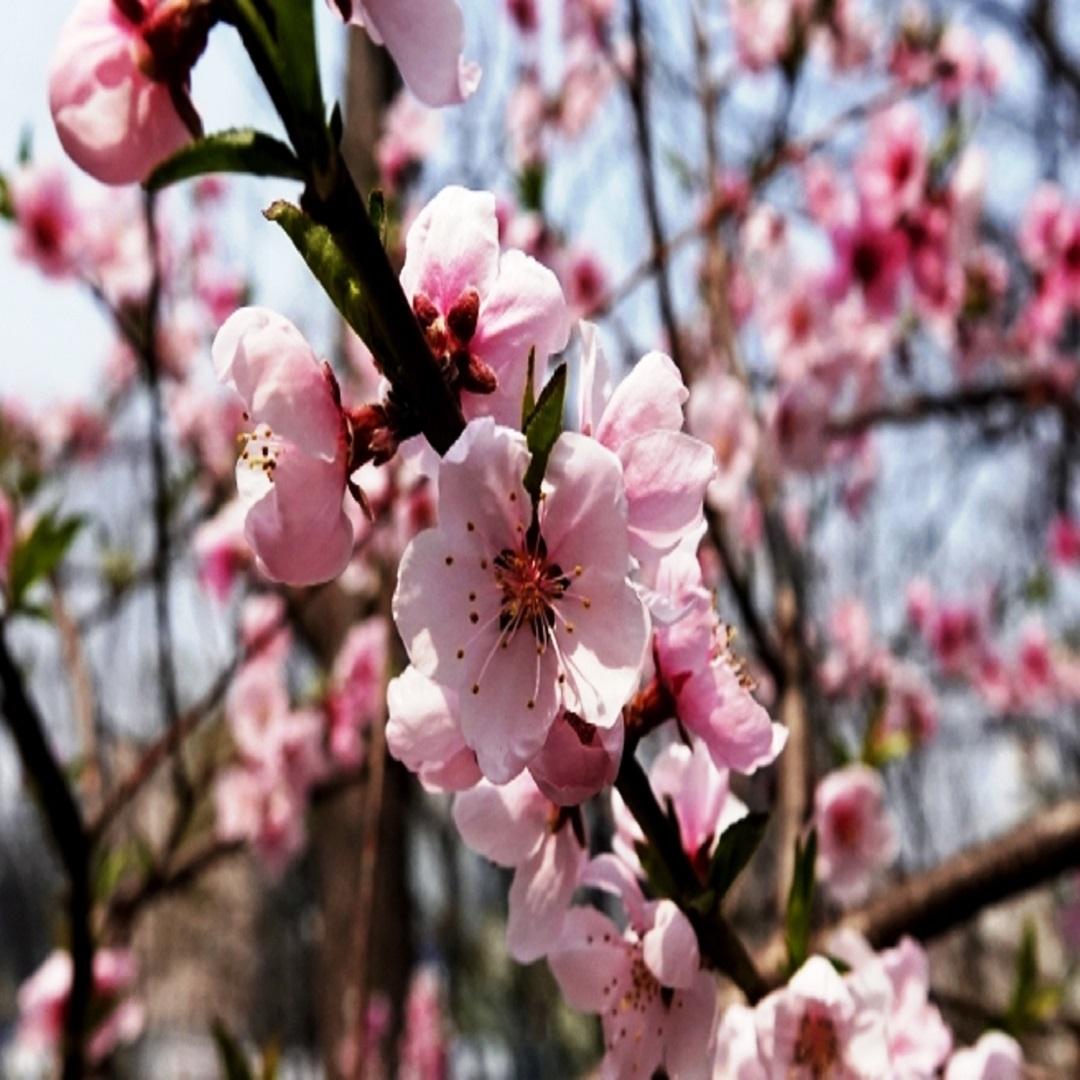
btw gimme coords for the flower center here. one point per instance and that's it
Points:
(530, 586)
(817, 1046)
(260, 450)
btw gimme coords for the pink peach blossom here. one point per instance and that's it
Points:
(856, 835)
(48, 222)
(527, 619)
(515, 825)
(221, 550)
(423, 1052)
(694, 662)
(42, 1001)
(719, 412)
(665, 471)
(292, 472)
(355, 700)
(817, 1027)
(996, 1056)
(113, 119)
(422, 732)
(891, 170)
(257, 806)
(481, 312)
(656, 1003)
(425, 38)
(410, 133)
(578, 760)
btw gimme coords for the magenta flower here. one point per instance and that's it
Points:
(520, 618)
(114, 118)
(515, 825)
(481, 312)
(856, 835)
(425, 38)
(293, 470)
(48, 221)
(656, 1004)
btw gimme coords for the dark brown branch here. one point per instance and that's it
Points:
(637, 86)
(65, 824)
(1038, 392)
(936, 901)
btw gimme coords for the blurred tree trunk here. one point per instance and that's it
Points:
(338, 820)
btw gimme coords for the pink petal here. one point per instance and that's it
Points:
(540, 895)
(691, 1032)
(421, 730)
(588, 960)
(299, 528)
(613, 875)
(505, 824)
(425, 38)
(594, 380)
(266, 360)
(670, 947)
(650, 398)
(453, 245)
(666, 474)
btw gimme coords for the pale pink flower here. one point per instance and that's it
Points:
(703, 802)
(665, 471)
(587, 81)
(522, 621)
(817, 1027)
(695, 664)
(1042, 226)
(410, 133)
(891, 170)
(355, 698)
(422, 733)
(221, 550)
(43, 1000)
(113, 119)
(719, 412)
(918, 1038)
(481, 312)
(910, 708)
(261, 808)
(996, 1056)
(856, 835)
(920, 601)
(763, 31)
(425, 38)
(292, 472)
(737, 1055)
(656, 1003)
(517, 826)
(422, 1051)
(264, 628)
(578, 760)
(958, 64)
(47, 221)
(586, 281)
(797, 424)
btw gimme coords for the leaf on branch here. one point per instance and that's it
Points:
(241, 150)
(39, 554)
(328, 262)
(543, 427)
(528, 401)
(800, 903)
(656, 870)
(234, 1062)
(736, 848)
(1033, 1002)
(377, 213)
(298, 71)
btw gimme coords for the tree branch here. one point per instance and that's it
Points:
(64, 820)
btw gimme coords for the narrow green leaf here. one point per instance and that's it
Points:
(528, 402)
(234, 1062)
(801, 902)
(543, 428)
(39, 554)
(294, 34)
(737, 845)
(7, 207)
(377, 213)
(329, 264)
(656, 871)
(237, 151)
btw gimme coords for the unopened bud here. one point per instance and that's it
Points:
(474, 375)
(424, 310)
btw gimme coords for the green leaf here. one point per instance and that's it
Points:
(298, 70)
(737, 845)
(530, 185)
(26, 146)
(656, 871)
(800, 903)
(241, 150)
(7, 207)
(328, 262)
(528, 402)
(1033, 1002)
(543, 428)
(234, 1062)
(377, 213)
(39, 554)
